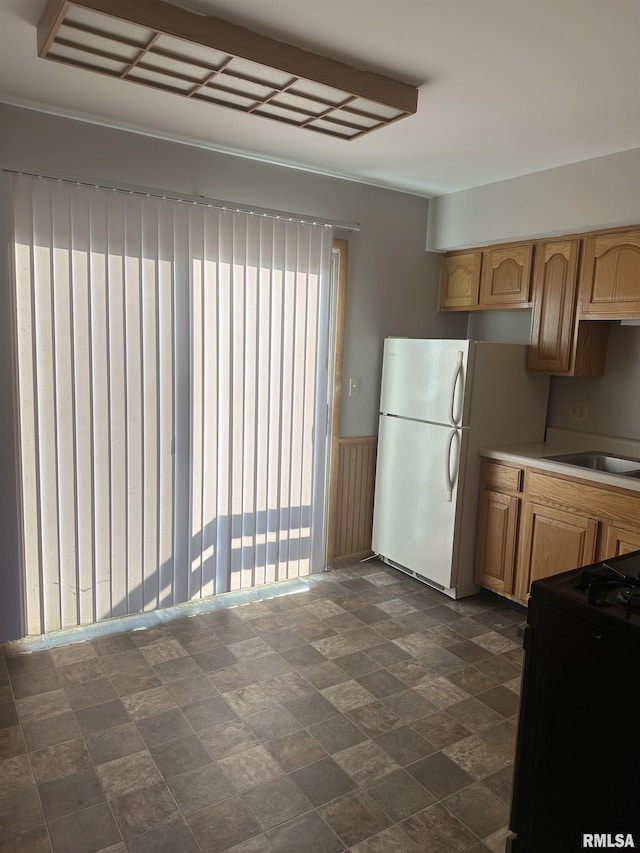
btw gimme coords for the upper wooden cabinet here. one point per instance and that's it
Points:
(460, 281)
(496, 278)
(610, 281)
(559, 344)
(506, 276)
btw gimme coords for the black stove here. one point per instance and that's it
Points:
(577, 765)
(605, 593)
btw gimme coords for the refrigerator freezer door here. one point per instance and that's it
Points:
(425, 379)
(414, 519)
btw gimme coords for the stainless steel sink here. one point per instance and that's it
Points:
(596, 461)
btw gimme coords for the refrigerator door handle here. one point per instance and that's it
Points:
(456, 378)
(450, 479)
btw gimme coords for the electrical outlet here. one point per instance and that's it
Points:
(579, 410)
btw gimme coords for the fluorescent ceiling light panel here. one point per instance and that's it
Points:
(210, 60)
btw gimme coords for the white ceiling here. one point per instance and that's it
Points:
(507, 87)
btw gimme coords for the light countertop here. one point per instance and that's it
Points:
(565, 441)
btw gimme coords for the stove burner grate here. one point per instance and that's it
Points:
(606, 587)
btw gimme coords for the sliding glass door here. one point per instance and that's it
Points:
(172, 381)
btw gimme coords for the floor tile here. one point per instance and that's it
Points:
(357, 664)
(11, 742)
(50, 730)
(228, 738)
(223, 825)
(399, 794)
(30, 683)
(322, 781)
(374, 718)
(310, 709)
(473, 714)
(354, 817)
(439, 775)
(392, 840)
(333, 648)
(164, 727)
(191, 689)
(276, 802)
(114, 743)
(501, 699)
(40, 706)
(106, 715)
(478, 758)
(196, 789)
(144, 809)
(381, 683)
(168, 838)
(178, 756)
(129, 773)
(33, 840)
(307, 833)
(90, 693)
(472, 680)
(348, 695)
(337, 733)
(70, 794)
(365, 762)
(250, 768)
(272, 722)
(478, 809)
(81, 671)
(295, 750)
(19, 811)
(440, 729)
(15, 775)
(444, 831)
(501, 783)
(148, 703)
(214, 659)
(405, 745)
(85, 831)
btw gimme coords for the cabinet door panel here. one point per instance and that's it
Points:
(496, 547)
(611, 276)
(460, 281)
(506, 276)
(555, 277)
(553, 541)
(617, 540)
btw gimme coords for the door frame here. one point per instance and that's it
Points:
(340, 257)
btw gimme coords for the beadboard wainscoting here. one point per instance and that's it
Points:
(354, 498)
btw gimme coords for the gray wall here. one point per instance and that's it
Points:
(392, 281)
(614, 400)
(582, 196)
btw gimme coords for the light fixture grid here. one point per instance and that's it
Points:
(350, 117)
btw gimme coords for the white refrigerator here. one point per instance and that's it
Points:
(440, 402)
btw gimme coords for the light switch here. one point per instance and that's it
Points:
(354, 386)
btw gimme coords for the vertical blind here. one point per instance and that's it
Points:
(172, 379)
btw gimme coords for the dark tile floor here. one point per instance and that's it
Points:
(366, 713)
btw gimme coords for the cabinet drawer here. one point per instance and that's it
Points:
(503, 478)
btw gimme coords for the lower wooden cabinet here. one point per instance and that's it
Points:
(533, 524)
(496, 543)
(619, 540)
(553, 541)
